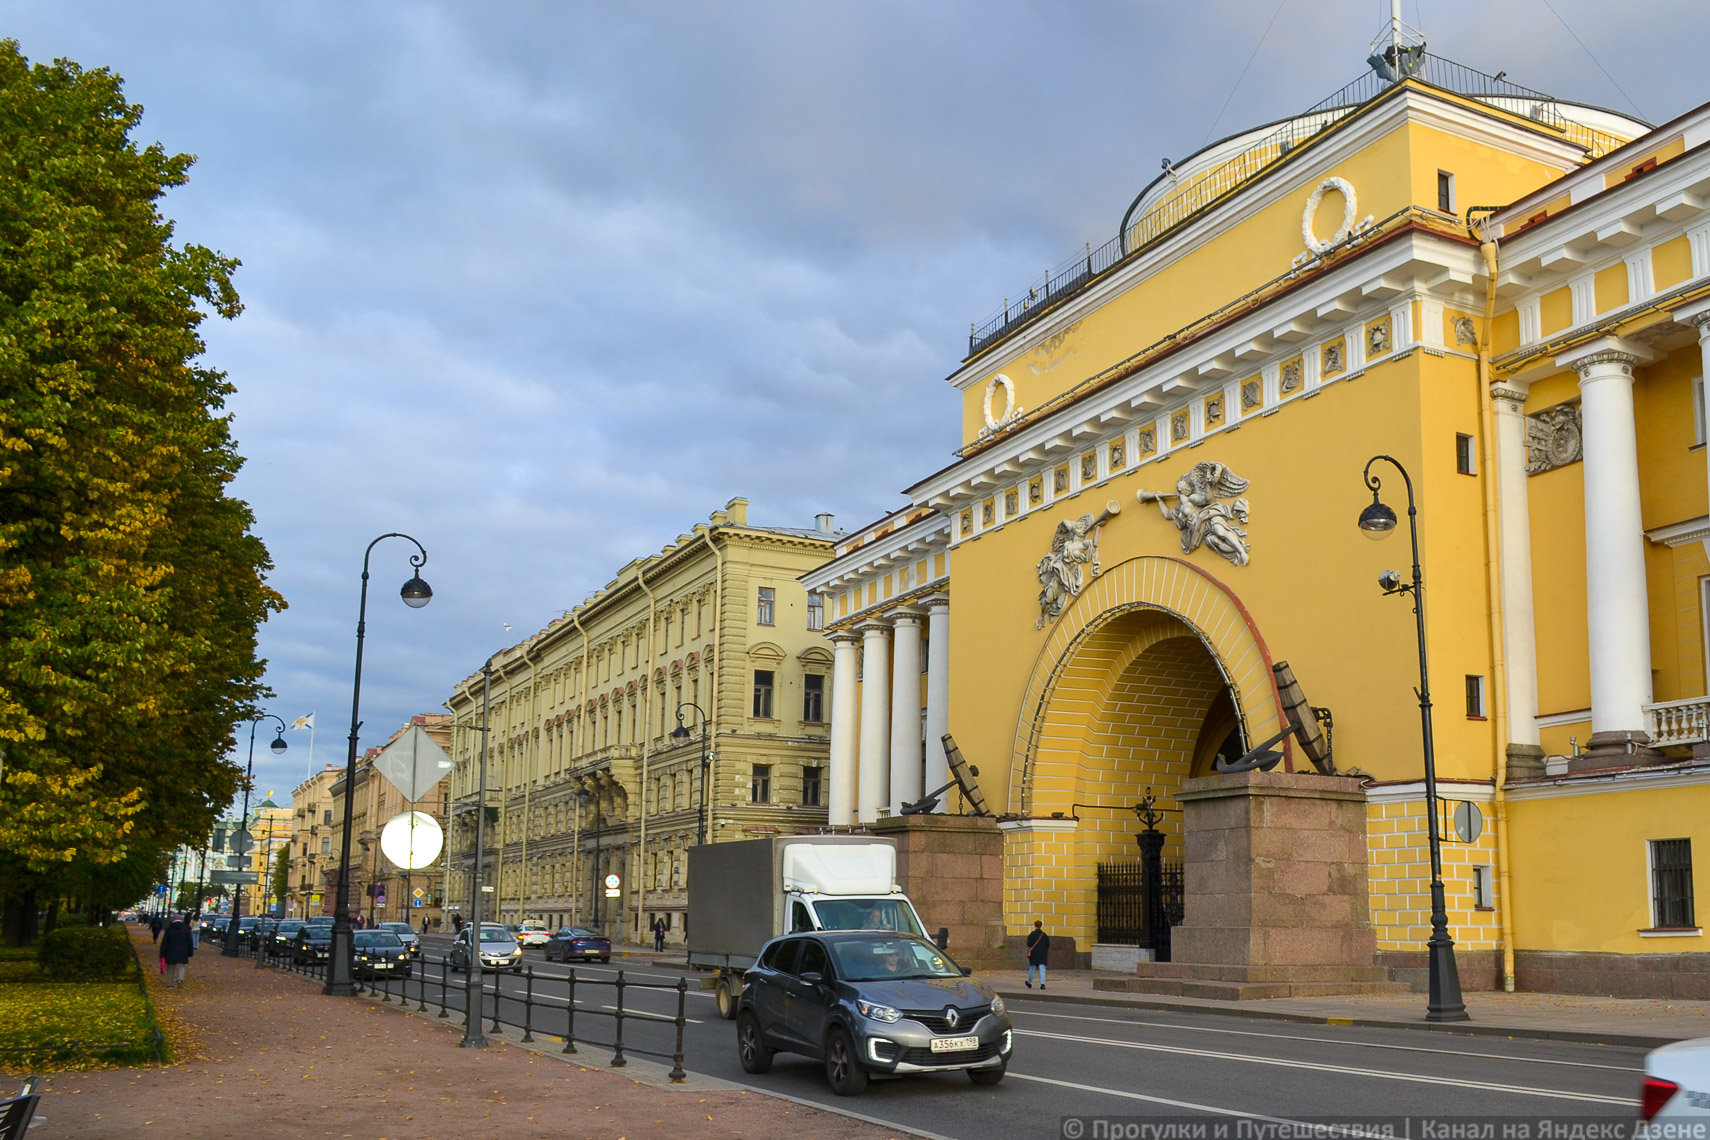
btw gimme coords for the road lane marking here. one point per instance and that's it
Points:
(653, 1016)
(1329, 1041)
(1280, 1062)
(1164, 1100)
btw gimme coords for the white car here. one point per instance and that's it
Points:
(533, 934)
(1677, 1082)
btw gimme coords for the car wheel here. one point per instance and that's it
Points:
(987, 1076)
(751, 1045)
(607, 958)
(725, 998)
(845, 1076)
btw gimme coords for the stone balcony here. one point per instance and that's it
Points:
(1677, 724)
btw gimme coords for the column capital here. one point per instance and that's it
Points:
(905, 615)
(935, 602)
(844, 636)
(1612, 351)
(873, 627)
(1508, 397)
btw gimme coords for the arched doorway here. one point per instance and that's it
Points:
(1151, 674)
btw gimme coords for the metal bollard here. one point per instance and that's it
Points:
(498, 996)
(617, 1043)
(676, 1074)
(528, 1005)
(570, 1028)
(421, 985)
(443, 971)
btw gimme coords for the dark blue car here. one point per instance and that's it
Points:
(578, 944)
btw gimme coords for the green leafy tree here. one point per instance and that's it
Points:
(130, 584)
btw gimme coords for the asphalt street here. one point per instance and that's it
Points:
(1075, 1062)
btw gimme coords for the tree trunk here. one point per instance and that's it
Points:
(52, 917)
(19, 920)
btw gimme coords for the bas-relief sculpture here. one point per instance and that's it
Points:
(1201, 516)
(1072, 562)
(1553, 439)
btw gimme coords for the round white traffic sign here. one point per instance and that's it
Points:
(613, 882)
(412, 840)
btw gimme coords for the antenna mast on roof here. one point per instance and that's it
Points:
(1398, 50)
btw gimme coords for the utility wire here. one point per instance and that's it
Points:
(1262, 36)
(1593, 58)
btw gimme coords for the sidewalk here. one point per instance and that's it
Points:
(1640, 1022)
(263, 1053)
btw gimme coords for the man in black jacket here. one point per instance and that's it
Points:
(176, 951)
(1038, 951)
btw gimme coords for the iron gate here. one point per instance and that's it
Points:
(1122, 905)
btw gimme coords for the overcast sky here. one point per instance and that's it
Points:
(542, 284)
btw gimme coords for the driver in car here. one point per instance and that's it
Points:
(891, 962)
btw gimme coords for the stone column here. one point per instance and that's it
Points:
(937, 695)
(845, 671)
(1519, 633)
(1618, 613)
(875, 759)
(905, 711)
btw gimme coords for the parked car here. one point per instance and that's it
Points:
(866, 1003)
(246, 931)
(578, 944)
(406, 935)
(284, 933)
(1677, 1082)
(532, 933)
(498, 950)
(312, 944)
(375, 953)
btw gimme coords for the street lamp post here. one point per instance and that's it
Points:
(680, 734)
(416, 594)
(472, 985)
(230, 950)
(1378, 521)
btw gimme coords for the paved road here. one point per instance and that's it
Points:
(1075, 1060)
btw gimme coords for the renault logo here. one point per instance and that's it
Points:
(951, 1017)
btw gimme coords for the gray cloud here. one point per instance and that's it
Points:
(543, 284)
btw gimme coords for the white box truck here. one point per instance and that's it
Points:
(743, 894)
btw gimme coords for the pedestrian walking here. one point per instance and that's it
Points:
(195, 924)
(176, 950)
(154, 926)
(658, 933)
(1038, 951)
(424, 924)
(456, 924)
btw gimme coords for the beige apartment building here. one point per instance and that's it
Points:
(313, 844)
(586, 781)
(380, 891)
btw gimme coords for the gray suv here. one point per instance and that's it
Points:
(870, 1003)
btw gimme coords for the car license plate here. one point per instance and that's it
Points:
(591, 953)
(954, 1044)
(382, 965)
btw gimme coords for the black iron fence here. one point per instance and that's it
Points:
(432, 982)
(1124, 916)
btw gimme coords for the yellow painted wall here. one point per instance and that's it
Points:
(1555, 311)
(1671, 262)
(1672, 485)
(1399, 878)
(1609, 287)
(1594, 894)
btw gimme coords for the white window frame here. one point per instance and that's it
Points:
(1484, 888)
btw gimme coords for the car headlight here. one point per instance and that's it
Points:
(997, 1006)
(876, 1011)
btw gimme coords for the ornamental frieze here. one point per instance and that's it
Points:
(1552, 438)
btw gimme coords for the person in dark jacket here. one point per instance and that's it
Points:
(658, 933)
(1038, 951)
(154, 926)
(176, 951)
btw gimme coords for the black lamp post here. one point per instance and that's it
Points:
(680, 734)
(416, 594)
(1377, 522)
(231, 947)
(472, 971)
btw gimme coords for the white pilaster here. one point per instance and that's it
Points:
(845, 697)
(937, 695)
(1617, 611)
(875, 744)
(1513, 511)
(1698, 316)
(905, 711)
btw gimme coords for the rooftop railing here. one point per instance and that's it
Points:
(1197, 192)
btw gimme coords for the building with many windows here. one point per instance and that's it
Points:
(685, 702)
(313, 844)
(1165, 448)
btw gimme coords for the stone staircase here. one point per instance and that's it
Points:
(1251, 983)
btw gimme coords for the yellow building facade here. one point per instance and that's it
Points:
(588, 776)
(1164, 454)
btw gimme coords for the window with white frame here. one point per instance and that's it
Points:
(1671, 884)
(1698, 425)
(1483, 893)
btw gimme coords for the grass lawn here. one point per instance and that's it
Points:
(40, 1020)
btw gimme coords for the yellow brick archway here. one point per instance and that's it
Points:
(1169, 587)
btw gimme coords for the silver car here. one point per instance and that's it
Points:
(499, 951)
(870, 1003)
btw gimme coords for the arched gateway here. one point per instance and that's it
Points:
(1152, 672)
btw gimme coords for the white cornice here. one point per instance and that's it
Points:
(1681, 533)
(1646, 779)
(907, 544)
(1413, 791)
(1317, 159)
